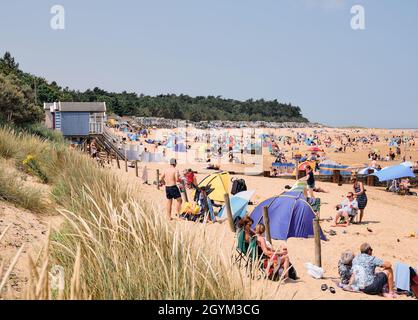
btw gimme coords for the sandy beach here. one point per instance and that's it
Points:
(389, 218)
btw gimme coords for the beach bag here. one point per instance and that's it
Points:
(238, 185)
(292, 273)
(314, 271)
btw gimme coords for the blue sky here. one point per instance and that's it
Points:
(298, 51)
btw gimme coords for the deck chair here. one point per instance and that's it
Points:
(251, 255)
(244, 252)
(316, 205)
(209, 213)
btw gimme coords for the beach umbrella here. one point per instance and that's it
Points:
(239, 204)
(303, 165)
(394, 172)
(290, 216)
(407, 164)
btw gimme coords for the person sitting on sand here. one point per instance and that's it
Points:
(276, 259)
(404, 185)
(345, 267)
(367, 279)
(347, 210)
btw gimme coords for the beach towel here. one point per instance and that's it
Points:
(402, 276)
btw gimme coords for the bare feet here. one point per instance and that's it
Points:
(390, 295)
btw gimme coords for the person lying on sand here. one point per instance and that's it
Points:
(302, 186)
(347, 210)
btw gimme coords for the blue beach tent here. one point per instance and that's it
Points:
(180, 147)
(290, 216)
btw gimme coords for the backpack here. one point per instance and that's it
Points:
(238, 185)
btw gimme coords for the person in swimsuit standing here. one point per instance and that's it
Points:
(360, 193)
(170, 178)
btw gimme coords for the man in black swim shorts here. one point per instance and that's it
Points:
(170, 178)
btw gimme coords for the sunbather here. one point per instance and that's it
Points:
(347, 210)
(275, 258)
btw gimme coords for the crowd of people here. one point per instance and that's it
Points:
(358, 273)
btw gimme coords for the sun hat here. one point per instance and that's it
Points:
(347, 257)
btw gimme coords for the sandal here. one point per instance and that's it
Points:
(332, 233)
(324, 287)
(332, 290)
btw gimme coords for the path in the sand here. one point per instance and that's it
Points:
(28, 229)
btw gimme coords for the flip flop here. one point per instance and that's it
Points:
(332, 290)
(332, 233)
(324, 287)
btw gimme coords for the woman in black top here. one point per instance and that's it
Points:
(310, 181)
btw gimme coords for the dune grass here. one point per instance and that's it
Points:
(13, 189)
(113, 245)
(40, 130)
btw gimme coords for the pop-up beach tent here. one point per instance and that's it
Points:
(394, 172)
(219, 182)
(180, 147)
(308, 141)
(289, 214)
(393, 143)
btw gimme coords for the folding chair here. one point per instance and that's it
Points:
(249, 254)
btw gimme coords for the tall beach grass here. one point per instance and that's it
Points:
(113, 244)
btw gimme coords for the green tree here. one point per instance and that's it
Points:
(15, 105)
(8, 64)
